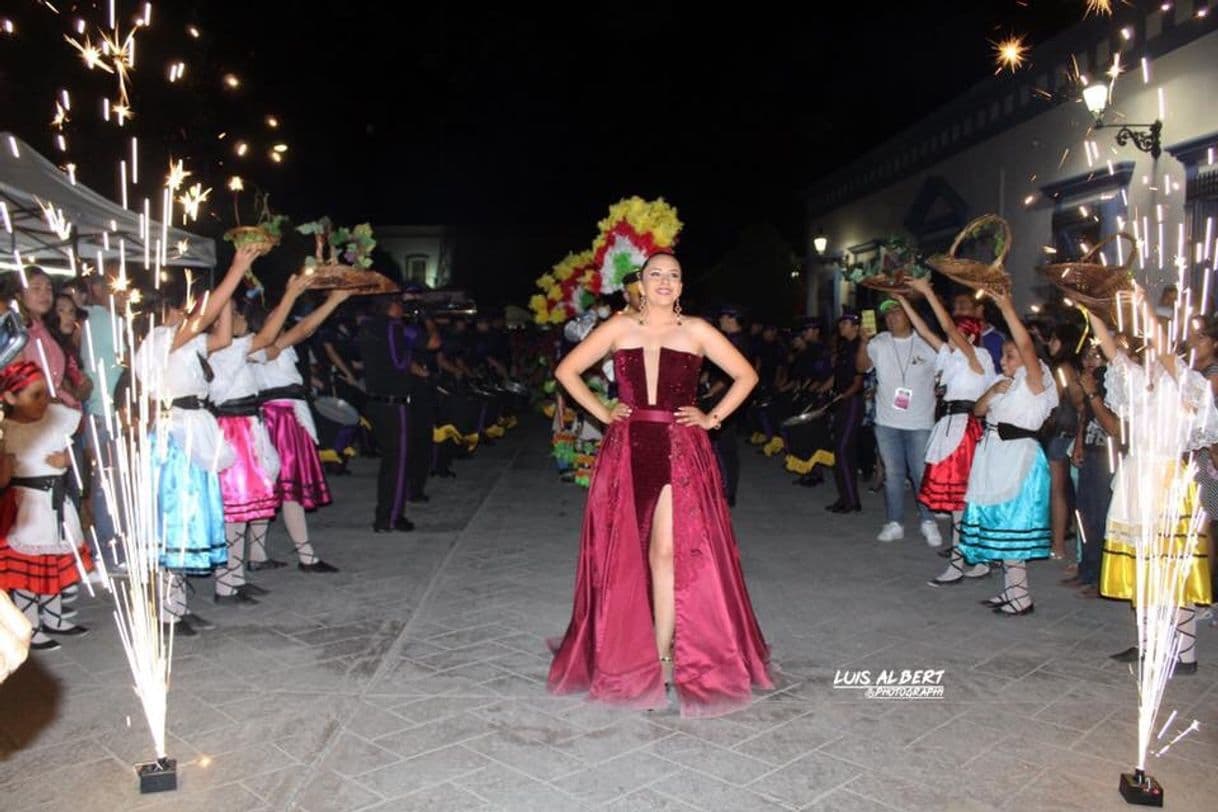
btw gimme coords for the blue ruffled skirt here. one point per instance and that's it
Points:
(1015, 530)
(190, 512)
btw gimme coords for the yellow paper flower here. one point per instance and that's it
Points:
(546, 281)
(655, 217)
(558, 315)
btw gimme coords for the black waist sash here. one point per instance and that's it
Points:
(959, 406)
(57, 485)
(293, 391)
(1006, 431)
(188, 402)
(238, 407)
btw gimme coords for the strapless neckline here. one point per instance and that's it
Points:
(676, 377)
(662, 349)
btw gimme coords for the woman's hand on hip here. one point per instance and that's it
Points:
(619, 412)
(693, 416)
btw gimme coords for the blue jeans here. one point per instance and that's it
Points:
(904, 454)
(102, 456)
(1094, 496)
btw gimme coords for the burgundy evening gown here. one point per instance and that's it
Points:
(609, 647)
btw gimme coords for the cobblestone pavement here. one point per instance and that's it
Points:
(414, 679)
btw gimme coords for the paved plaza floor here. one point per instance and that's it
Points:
(414, 679)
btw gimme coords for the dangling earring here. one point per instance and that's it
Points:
(676, 308)
(642, 309)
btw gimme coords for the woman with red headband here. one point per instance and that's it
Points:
(965, 374)
(42, 549)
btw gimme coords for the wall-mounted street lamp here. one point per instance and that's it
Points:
(820, 242)
(1144, 136)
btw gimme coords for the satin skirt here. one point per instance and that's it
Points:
(609, 648)
(1015, 530)
(1119, 565)
(248, 486)
(190, 511)
(301, 478)
(944, 483)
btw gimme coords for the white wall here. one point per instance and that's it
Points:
(999, 174)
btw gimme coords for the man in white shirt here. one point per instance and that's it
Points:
(904, 366)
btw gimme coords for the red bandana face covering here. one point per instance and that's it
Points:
(971, 328)
(18, 375)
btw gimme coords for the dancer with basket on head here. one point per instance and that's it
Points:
(965, 372)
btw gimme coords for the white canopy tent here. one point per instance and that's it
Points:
(92, 226)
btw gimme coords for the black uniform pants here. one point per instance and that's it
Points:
(391, 428)
(420, 436)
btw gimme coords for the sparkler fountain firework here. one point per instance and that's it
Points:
(133, 427)
(1167, 410)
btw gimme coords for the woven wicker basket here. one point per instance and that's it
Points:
(334, 276)
(252, 235)
(328, 275)
(1091, 283)
(895, 283)
(990, 277)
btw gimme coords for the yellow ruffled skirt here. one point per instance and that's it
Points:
(1118, 568)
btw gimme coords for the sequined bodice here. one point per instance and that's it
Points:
(676, 384)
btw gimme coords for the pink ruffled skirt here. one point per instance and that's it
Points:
(248, 486)
(301, 477)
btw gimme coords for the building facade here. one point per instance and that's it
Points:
(421, 253)
(1026, 147)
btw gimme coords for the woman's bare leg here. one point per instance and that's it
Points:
(1059, 504)
(662, 591)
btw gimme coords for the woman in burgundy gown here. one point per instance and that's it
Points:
(660, 601)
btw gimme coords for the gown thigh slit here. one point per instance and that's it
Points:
(662, 606)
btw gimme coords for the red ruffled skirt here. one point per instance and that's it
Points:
(945, 482)
(301, 477)
(40, 574)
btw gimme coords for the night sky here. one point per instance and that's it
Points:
(520, 127)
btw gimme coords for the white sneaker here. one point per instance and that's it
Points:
(891, 532)
(930, 532)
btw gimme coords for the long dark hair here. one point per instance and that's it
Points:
(1070, 335)
(254, 312)
(56, 328)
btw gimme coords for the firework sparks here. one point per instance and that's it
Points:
(194, 197)
(177, 175)
(56, 220)
(1010, 54)
(1098, 7)
(91, 54)
(61, 116)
